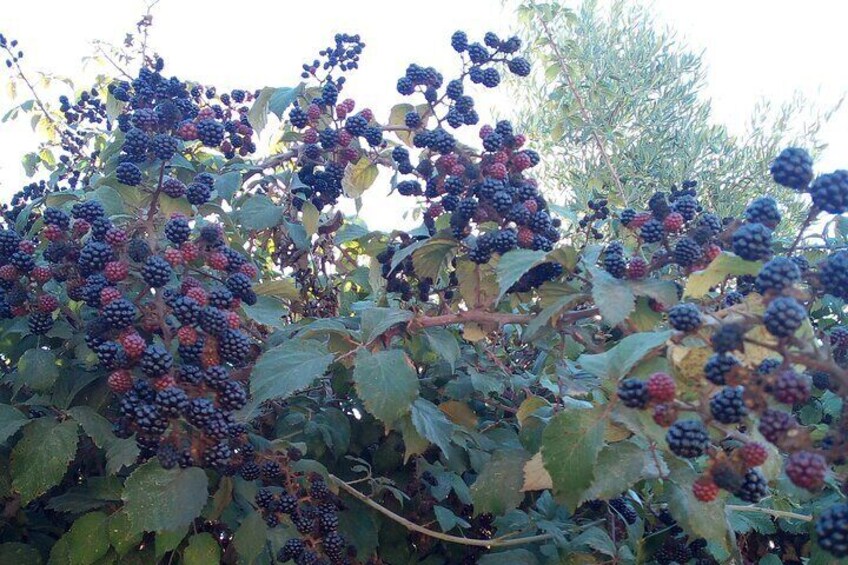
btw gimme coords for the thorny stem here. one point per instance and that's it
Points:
(412, 526)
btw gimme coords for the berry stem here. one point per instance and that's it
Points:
(769, 511)
(814, 211)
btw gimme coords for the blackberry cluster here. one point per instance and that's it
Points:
(599, 211)
(401, 278)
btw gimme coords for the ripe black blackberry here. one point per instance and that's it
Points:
(833, 274)
(728, 406)
(138, 250)
(210, 133)
(686, 206)
(198, 193)
(777, 274)
(156, 271)
(633, 393)
(120, 313)
(129, 174)
(249, 471)
(40, 323)
(687, 438)
(719, 366)
(234, 346)
(177, 230)
(774, 424)
(171, 401)
(793, 168)
(763, 210)
(292, 549)
(149, 419)
(685, 317)
(783, 316)
(627, 215)
(832, 530)
(754, 487)
(541, 222)
(710, 222)
(624, 509)
(732, 298)
(830, 192)
(728, 338)
(89, 210)
(658, 205)
(168, 456)
(93, 257)
(752, 242)
(232, 395)
(164, 146)
(614, 262)
(156, 361)
(505, 240)
(673, 551)
(213, 321)
(23, 262)
(652, 231)
(56, 217)
(186, 310)
(334, 547)
(801, 262)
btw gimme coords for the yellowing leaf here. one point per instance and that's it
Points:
(528, 407)
(359, 177)
(310, 218)
(535, 475)
(459, 413)
(723, 266)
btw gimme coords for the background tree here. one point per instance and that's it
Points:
(612, 91)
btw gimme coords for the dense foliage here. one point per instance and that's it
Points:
(204, 361)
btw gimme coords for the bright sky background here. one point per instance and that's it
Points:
(753, 49)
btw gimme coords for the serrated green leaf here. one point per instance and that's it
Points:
(267, 310)
(37, 369)
(614, 298)
(286, 369)
(571, 443)
(509, 557)
(280, 288)
(434, 256)
(498, 487)
(701, 520)
(11, 420)
(40, 459)
(202, 549)
(386, 382)
(259, 212)
(376, 321)
(88, 539)
(622, 357)
(121, 535)
(227, 184)
(281, 98)
(723, 266)
(444, 343)
(432, 424)
(250, 538)
(258, 113)
(158, 499)
(514, 264)
(169, 541)
(622, 464)
(478, 284)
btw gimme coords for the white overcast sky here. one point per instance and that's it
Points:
(753, 49)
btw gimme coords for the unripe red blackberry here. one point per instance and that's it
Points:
(673, 222)
(637, 268)
(704, 489)
(806, 470)
(753, 454)
(120, 381)
(661, 387)
(664, 415)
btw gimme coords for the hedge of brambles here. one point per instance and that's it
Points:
(205, 361)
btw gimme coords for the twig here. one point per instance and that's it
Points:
(770, 512)
(583, 111)
(814, 211)
(499, 318)
(412, 526)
